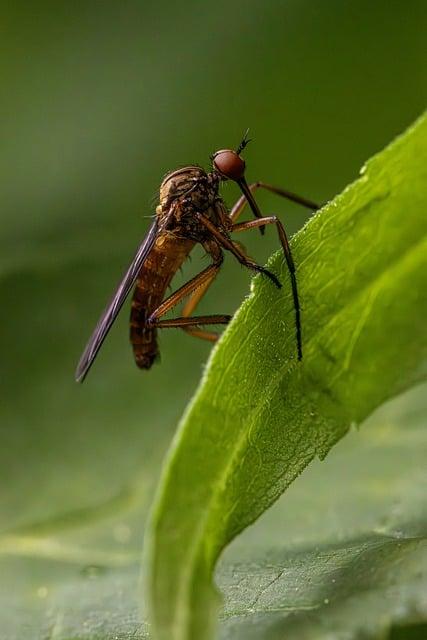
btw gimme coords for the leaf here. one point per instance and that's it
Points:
(366, 558)
(260, 417)
(343, 553)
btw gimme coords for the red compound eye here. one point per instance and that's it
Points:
(229, 164)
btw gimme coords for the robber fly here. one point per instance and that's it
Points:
(190, 211)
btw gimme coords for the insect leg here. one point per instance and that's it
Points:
(253, 224)
(190, 306)
(236, 250)
(237, 209)
(191, 324)
(197, 286)
(194, 299)
(198, 281)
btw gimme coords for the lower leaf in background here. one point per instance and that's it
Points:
(260, 417)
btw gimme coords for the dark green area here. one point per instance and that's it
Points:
(98, 101)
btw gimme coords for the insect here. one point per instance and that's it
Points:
(190, 211)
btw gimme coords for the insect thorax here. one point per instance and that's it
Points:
(188, 190)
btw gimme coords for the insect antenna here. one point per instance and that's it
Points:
(245, 141)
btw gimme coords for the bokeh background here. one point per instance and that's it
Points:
(99, 100)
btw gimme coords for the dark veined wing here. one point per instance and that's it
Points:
(112, 310)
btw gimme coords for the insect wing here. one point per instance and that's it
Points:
(112, 310)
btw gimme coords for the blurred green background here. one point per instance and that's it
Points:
(99, 100)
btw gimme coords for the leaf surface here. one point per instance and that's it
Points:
(260, 417)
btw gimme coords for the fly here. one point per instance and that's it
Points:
(190, 211)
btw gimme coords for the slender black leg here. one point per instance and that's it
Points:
(253, 224)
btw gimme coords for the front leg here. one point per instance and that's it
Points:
(228, 244)
(253, 224)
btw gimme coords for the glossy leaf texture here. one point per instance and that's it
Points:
(260, 417)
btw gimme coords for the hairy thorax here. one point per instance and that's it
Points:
(183, 194)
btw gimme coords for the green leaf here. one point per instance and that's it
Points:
(295, 572)
(260, 417)
(344, 552)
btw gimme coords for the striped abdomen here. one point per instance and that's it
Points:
(163, 261)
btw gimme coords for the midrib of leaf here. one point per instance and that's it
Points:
(122, 502)
(55, 550)
(402, 262)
